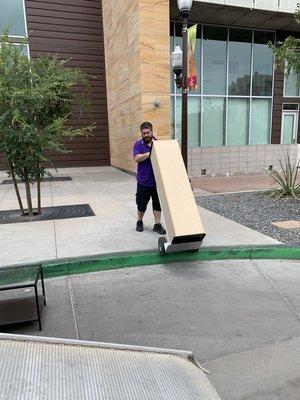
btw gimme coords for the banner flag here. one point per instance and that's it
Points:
(192, 80)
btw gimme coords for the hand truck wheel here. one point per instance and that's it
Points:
(161, 246)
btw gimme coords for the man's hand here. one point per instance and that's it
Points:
(141, 157)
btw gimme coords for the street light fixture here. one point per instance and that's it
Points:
(179, 62)
(184, 7)
(176, 63)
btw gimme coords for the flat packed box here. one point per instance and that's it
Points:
(181, 214)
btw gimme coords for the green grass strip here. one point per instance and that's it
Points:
(134, 259)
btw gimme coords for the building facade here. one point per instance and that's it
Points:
(72, 30)
(243, 117)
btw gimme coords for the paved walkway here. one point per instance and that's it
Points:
(240, 318)
(238, 183)
(110, 193)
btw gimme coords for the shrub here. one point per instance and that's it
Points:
(286, 179)
(37, 98)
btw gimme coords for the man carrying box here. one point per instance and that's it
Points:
(146, 185)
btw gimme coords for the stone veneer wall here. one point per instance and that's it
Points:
(238, 159)
(137, 60)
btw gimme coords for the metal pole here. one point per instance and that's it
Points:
(184, 110)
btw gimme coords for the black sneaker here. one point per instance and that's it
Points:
(139, 226)
(159, 229)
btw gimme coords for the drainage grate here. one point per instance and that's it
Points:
(48, 213)
(49, 179)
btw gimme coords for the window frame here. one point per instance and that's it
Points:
(25, 24)
(284, 85)
(201, 95)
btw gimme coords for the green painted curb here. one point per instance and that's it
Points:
(126, 260)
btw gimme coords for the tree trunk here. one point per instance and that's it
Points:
(28, 195)
(39, 210)
(16, 188)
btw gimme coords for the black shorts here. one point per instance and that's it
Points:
(143, 195)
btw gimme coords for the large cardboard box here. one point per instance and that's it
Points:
(182, 219)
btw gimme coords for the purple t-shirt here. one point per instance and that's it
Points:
(145, 175)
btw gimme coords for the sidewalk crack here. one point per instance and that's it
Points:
(54, 226)
(73, 305)
(248, 349)
(55, 240)
(276, 289)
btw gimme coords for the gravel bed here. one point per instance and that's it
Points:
(257, 210)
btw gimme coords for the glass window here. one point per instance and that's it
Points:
(214, 60)
(12, 16)
(260, 121)
(172, 75)
(233, 58)
(173, 133)
(178, 117)
(239, 61)
(238, 121)
(286, 106)
(262, 64)
(194, 106)
(213, 121)
(25, 49)
(291, 85)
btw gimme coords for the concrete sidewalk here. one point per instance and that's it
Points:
(237, 183)
(111, 195)
(240, 318)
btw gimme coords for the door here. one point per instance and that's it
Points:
(289, 127)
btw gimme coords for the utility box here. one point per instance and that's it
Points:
(183, 223)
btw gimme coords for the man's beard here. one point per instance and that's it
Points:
(148, 139)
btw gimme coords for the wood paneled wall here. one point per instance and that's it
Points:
(73, 29)
(278, 100)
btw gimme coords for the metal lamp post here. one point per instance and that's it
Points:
(179, 61)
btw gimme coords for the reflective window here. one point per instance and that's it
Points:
(12, 16)
(193, 120)
(291, 85)
(172, 76)
(178, 117)
(262, 75)
(239, 61)
(25, 49)
(214, 60)
(288, 128)
(260, 121)
(238, 121)
(173, 122)
(213, 121)
(286, 106)
(233, 58)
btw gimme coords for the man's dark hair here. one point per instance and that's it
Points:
(146, 125)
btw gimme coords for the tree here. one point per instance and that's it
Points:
(287, 53)
(37, 99)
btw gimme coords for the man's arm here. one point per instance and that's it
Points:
(141, 157)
